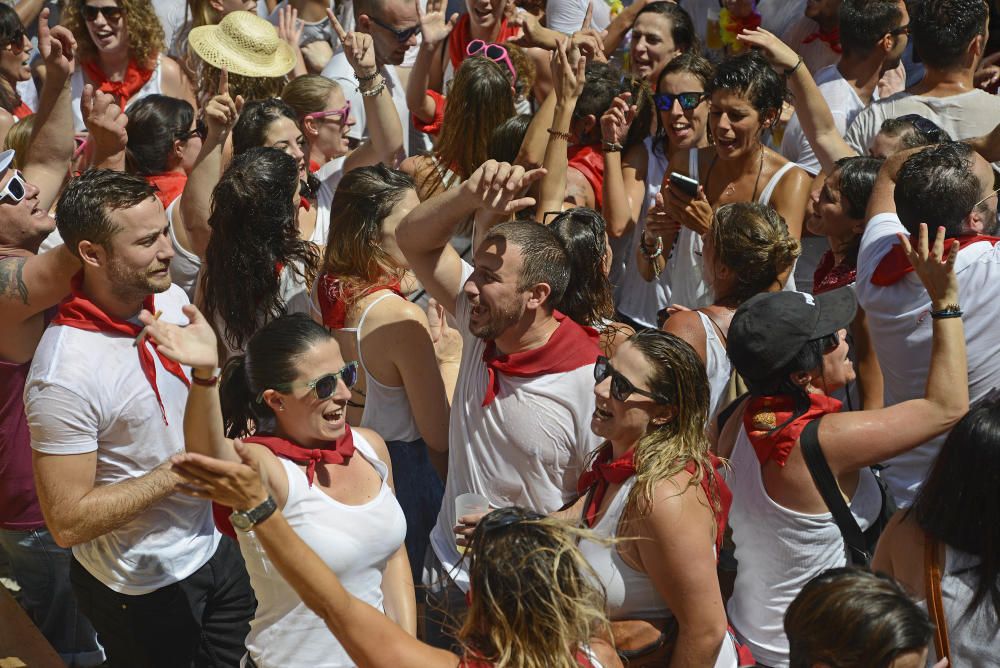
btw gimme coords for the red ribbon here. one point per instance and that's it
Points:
(22, 111)
(338, 452)
(831, 38)
(895, 265)
(570, 347)
(135, 79)
(80, 313)
(169, 186)
(763, 414)
(602, 474)
(335, 297)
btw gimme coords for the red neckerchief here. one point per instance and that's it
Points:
(334, 297)
(434, 126)
(475, 662)
(338, 452)
(570, 347)
(738, 24)
(79, 312)
(169, 186)
(763, 414)
(602, 474)
(589, 161)
(895, 265)
(314, 166)
(461, 36)
(304, 203)
(829, 277)
(831, 38)
(22, 111)
(135, 79)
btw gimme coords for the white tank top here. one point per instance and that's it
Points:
(717, 365)
(685, 263)
(779, 551)
(765, 198)
(151, 87)
(185, 265)
(355, 542)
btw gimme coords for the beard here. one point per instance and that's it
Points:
(129, 283)
(501, 318)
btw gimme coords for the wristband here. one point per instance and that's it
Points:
(790, 72)
(368, 77)
(205, 382)
(612, 147)
(949, 311)
(561, 135)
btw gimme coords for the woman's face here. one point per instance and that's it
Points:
(685, 128)
(388, 243)
(828, 216)
(14, 59)
(226, 7)
(331, 131)
(652, 46)
(837, 369)
(190, 148)
(487, 14)
(307, 419)
(735, 124)
(624, 422)
(284, 134)
(108, 35)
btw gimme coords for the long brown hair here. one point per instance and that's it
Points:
(145, 34)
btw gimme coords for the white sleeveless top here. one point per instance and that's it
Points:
(151, 87)
(717, 365)
(779, 551)
(684, 264)
(355, 542)
(185, 265)
(765, 198)
(329, 176)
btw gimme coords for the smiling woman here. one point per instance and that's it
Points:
(15, 52)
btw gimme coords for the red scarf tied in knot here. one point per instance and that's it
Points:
(604, 472)
(462, 35)
(894, 265)
(764, 415)
(570, 347)
(80, 313)
(831, 38)
(338, 452)
(335, 296)
(169, 186)
(830, 276)
(22, 111)
(135, 79)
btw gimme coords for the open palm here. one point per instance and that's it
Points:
(434, 27)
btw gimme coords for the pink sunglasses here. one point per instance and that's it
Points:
(343, 114)
(495, 52)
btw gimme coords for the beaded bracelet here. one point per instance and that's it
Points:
(561, 135)
(366, 78)
(374, 91)
(949, 311)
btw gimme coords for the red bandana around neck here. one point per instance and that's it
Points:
(763, 414)
(80, 313)
(832, 39)
(135, 79)
(22, 111)
(589, 161)
(461, 35)
(570, 347)
(894, 266)
(334, 296)
(830, 277)
(602, 474)
(169, 186)
(337, 452)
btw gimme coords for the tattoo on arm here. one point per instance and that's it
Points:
(12, 279)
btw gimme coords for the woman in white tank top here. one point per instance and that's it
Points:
(287, 399)
(791, 350)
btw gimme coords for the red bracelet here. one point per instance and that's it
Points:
(204, 382)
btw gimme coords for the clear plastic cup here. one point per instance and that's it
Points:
(470, 504)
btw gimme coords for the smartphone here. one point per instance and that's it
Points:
(685, 184)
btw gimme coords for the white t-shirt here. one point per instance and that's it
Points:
(566, 16)
(86, 392)
(185, 265)
(845, 105)
(900, 326)
(76, 83)
(329, 176)
(962, 116)
(526, 448)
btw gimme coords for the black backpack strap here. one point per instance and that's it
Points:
(857, 546)
(723, 417)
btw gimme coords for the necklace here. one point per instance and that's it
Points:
(731, 188)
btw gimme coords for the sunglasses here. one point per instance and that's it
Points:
(506, 517)
(924, 126)
(494, 52)
(901, 30)
(401, 35)
(621, 387)
(110, 14)
(341, 114)
(325, 385)
(16, 43)
(200, 130)
(688, 101)
(15, 190)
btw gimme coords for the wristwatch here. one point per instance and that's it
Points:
(244, 520)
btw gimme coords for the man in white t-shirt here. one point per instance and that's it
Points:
(520, 418)
(816, 35)
(106, 413)
(873, 37)
(947, 94)
(952, 186)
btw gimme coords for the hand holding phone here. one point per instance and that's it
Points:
(685, 184)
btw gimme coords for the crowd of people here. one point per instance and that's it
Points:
(575, 333)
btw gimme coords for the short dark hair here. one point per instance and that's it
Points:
(913, 130)
(588, 298)
(857, 180)
(543, 256)
(942, 30)
(84, 208)
(682, 30)
(864, 22)
(154, 123)
(750, 75)
(937, 186)
(604, 82)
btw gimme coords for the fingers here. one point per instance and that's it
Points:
(588, 16)
(87, 101)
(420, 10)
(938, 251)
(337, 28)
(224, 82)
(43, 26)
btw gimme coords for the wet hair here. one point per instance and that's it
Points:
(253, 231)
(506, 140)
(145, 34)
(857, 176)
(691, 63)
(864, 22)
(910, 136)
(270, 361)
(957, 505)
(943, 29)
(682, 30)
(853, 617)
(752, 240)
(154, 123)
(604, 82)
(543, 258)
(750, 76)
(10, 26)
(84, 209)
(308, 93)
(255, 119)
(534, 598)
(938, 185)
(588, 299)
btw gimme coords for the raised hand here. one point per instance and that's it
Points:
(105, 121)
(617, 120)
(568, 71)
(433, 26)
(238, 485)
(289, 27)
(780, 55)
(194, 345)
(222, 111)
(533, 34)
(447, 340)
(57, 46)
(358, 48)
(935, 266)
(499, 187)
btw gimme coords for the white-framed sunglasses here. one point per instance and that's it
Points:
(16, 188)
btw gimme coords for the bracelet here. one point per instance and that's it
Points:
(374, 91)
(790, 72)
(612, 147)
(657, 252)
(949, 311)
(366, 78)
(561, 135)
(204, 382)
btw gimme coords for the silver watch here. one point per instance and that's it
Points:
(244, 520)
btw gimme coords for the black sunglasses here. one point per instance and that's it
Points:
(924, 126)
(325, 385)
(688, 101)
(111, 14)
(200, 130)
(502, 518)
(621, 387)
(401, 35)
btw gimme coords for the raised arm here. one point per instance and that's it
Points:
(568, 74)
(30, 284)
(883, 197)
(857, 439)
(107, 133)
(623, 192)
(290, 29)
(434, 31)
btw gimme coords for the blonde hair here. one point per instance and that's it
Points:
(198, 13)
(145, 34)
(251, 88)
(535, 601)
(19, 139)
(307, 94)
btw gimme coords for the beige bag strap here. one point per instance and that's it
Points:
(935, 602)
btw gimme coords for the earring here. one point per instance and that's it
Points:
(281, 407)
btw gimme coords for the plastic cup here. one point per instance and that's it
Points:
(470, 504)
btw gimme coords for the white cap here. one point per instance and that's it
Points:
(6, 158)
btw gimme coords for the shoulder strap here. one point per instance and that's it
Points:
(935, 602)
(723, 417)
(819, 469)
(718, 327)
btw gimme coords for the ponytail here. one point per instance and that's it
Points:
(240, 409)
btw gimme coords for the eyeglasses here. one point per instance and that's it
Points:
(16, 43)
(401, 35)
(688, 101)
(15, 190)
(901, 30)
(498, 54)
(621, 387)
(200, 130)
(342, 114)
(506, 517)
(110, 14)
(928, 128)
(325, 385)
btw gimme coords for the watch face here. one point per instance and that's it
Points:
(241, 521)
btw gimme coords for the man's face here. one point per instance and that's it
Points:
(22, 224)
(395, 15)
(492, 290)
(139, 253)
(900, 40)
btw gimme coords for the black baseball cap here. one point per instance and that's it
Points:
(769, 329)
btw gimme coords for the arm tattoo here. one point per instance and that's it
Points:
(12, 279)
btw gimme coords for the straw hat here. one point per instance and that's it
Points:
(243, 44)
